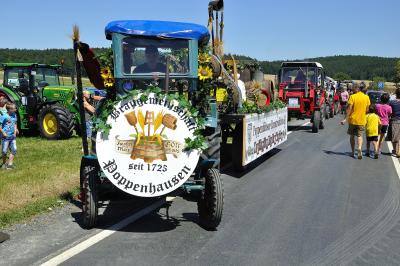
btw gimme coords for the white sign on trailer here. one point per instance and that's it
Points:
(262, 133)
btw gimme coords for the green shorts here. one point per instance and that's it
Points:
(355, 130)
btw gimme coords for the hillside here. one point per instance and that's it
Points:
(358, 67)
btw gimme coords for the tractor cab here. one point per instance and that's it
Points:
(22, 77)
(146, 52)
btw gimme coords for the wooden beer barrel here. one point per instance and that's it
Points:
(149, 150)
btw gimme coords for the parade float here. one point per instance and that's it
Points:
(170, 105)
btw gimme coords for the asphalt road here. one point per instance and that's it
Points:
(308, 203)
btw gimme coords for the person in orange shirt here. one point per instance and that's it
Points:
(356, 115)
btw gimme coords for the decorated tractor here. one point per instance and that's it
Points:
(157, 129)
(43, 104)
(301, 87)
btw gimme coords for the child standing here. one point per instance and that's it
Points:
(384, 111)
(3, 103)
(372, 130)
(8, 132)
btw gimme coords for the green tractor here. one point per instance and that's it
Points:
(43, 104)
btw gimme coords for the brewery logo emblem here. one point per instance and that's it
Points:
(143, 154)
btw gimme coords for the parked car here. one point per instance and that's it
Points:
(375, 96)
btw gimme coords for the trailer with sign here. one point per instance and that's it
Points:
(247, 137)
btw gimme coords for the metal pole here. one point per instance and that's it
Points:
(211, 19)
(80, 98)
(167, 75)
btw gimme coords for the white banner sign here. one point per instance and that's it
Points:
(262, 133)
(143, 153)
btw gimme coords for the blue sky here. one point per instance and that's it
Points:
(263, 29)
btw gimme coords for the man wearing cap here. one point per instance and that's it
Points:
(152, 63)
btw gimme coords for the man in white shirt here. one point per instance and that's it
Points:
(242, 88)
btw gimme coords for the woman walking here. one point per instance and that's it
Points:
(395, 122)
(384, 111)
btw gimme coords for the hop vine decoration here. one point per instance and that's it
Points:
(197, 142)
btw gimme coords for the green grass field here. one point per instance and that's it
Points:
(46, 172)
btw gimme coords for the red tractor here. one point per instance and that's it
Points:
(301, 87)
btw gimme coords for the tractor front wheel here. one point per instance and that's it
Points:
(55, 122)
(316, 121)
(89, 195)
(211, 202)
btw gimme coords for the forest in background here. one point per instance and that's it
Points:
(357, 67)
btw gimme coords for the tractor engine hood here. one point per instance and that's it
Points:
(58, 93)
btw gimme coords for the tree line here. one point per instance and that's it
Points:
(354, 66)
(46, 56)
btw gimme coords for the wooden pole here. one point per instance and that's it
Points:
(78, 71)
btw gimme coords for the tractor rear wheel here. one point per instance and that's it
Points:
(316, 121)
(211, 202)
(213, 152)
(55, 122)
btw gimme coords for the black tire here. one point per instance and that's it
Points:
(64, 122)
(213, 137)
(89, 194)
(322, 123)
(316, 121)
(211, 202)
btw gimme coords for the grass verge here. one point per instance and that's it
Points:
(47, 173)
(37, 207)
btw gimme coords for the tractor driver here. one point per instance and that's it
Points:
(23, 82)
(152, 63)
(300, 77)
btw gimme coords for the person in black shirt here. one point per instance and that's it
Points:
(395, 123)
(152, 63)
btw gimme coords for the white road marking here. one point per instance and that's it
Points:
(303, 125)
(394, 159)
(69, 253)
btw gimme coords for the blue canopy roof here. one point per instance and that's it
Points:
(160, 29)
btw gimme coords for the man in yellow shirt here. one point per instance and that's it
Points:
(357, 108)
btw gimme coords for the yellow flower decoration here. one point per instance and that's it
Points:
(106, 73)
(205, 72)
(109, 82)
(204, 58)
